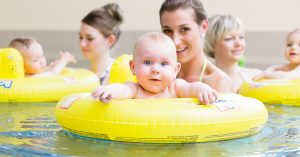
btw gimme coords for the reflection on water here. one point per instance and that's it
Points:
(31, 130)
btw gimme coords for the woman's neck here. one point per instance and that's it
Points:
(191, 70)
(98, 65)
(230, 68)
(233, 71)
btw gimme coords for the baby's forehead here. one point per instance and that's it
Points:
(162, 55)
(161, 42)
(155, 46)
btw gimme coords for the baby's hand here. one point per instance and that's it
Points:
(53, 64)
(67, 56)
(207, 95)
(103, 94)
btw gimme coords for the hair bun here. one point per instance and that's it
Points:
(115, 11)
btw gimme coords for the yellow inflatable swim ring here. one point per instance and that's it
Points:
(274, 91)
(11, 64)
(120, 70)
(177, 120)
(15, 87)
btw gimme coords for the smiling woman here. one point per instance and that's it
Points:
(185, 22)
(225, 42)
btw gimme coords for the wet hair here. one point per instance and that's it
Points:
(219, 25)
(22, 43)
(196, 5)
(106, 19)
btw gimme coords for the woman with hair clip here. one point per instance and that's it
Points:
(99, 32)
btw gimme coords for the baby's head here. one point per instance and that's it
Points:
(155, 61)
(293, 35)
(293, 32)
(33, 54)
(292, 50)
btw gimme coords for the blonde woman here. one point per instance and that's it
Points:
(225, 42)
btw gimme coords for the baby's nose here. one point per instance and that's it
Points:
(155, 68)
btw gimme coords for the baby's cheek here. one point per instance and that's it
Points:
(172, 73)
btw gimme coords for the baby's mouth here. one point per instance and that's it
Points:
(293, 54)
(156, 80)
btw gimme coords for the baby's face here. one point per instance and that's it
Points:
(155, 65)
(292, 51)
(34, 59)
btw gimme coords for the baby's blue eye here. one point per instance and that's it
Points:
(164, 63)
(147, 62)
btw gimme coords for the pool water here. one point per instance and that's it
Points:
(30, 129)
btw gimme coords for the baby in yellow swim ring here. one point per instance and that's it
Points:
(290, 70)
(155, 66)
(35, 63)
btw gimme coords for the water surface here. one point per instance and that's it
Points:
(30, 129)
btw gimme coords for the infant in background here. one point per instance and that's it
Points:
(290, 70)
(35, 63)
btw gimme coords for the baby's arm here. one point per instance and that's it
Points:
(108, 92)
(42, 74)
(199, 90)
(280, 74)
(267, 73)
(61, 63)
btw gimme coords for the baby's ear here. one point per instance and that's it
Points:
(177, 68)
(131, 64)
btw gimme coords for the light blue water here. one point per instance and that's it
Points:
(31, 130)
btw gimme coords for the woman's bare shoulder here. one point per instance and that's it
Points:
(218, 79)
